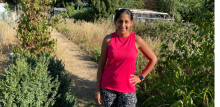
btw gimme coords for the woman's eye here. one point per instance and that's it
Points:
(126, 21)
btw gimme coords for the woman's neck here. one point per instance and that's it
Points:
(123, 35)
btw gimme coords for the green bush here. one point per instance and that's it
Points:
(36, 82)
(87, 15)
(95, 54)
(163, 30)
(185, 76)
(34, 29)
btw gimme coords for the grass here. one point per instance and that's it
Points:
(7, 35)
(89, 36)
(7, 41)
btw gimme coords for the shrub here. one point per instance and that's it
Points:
(163, 30)
(36, 81)
(34, 30)
(185, 77)
(86, 15)
(28, 84)
(96, 54)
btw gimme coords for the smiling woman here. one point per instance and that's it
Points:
(115, 79)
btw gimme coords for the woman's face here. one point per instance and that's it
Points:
(123, 24)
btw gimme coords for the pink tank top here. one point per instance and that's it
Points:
(122, 55)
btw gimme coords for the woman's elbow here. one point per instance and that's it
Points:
(154, 60)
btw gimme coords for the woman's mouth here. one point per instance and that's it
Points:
(124, 29)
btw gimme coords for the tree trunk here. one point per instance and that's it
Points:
(173, 13)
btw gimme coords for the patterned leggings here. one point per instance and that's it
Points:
(117, 99)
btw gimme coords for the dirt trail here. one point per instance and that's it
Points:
(83, 69)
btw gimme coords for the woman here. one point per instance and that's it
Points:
(115, 79)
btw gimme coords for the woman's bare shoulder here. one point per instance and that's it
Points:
(138, 38)
(107, 38)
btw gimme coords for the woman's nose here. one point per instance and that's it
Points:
(123, 24)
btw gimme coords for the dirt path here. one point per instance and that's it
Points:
(81, 67)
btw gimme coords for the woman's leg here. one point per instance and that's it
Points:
(127, 99)
(109, 98)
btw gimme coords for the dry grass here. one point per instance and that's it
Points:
(7, 35)
(89, 36)
(85, 34)
(7, 41)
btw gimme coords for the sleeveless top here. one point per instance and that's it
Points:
(122, 55)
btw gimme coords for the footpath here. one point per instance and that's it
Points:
(81, 67)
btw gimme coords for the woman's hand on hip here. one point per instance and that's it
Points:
(135, 79)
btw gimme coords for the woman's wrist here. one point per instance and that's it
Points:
(97, 93)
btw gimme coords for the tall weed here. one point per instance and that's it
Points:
(88, 36)
(7, 35)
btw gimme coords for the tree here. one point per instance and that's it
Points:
(104, 8)
(179, 9)
(138, 4)
(150, 4)
(79, 4)
(126, 3)
(34, 29)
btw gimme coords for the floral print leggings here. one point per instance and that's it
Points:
(116, 99)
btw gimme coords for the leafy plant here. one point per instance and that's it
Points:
(87, 15)
(96, 54)
(138, 4)
(34, 30)
(42, 78)
(28, 85)
(185, 76)
(104, 8)
(125, 3)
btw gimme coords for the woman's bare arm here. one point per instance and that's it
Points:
(148, 53)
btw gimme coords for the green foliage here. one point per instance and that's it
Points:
(34, 30)
(126, 3)
(36, 81)
(8, 10)
(71, 11)
(66, 97)
(80, 4)
(95, 54)
(28, 85)
(161, 29)
(138, 4)
(180, 8)
(185, 76)
(104, 8)
(86, 15)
